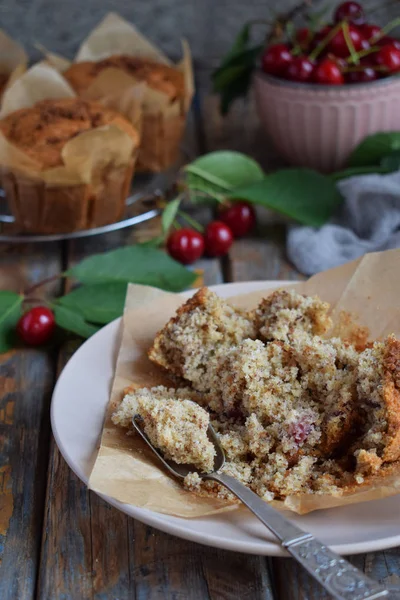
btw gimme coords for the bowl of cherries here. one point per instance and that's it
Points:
(319, 94)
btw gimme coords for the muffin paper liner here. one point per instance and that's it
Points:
(13, 61)
(364, 292)
(90, 188)
(163, 121)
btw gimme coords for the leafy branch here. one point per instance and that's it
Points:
(303, 195)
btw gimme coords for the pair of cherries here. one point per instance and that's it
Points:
(188, 245)
(281, 61)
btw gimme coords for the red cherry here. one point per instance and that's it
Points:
(300, 69)
(36, 326)
(364, 76)
(387, 40)
(218, 238)
(351, 12)
(185, 245)
(304, 37)
(338, 45)
(327, 72)
(276, 59)
(389, 57)
(365, 45)
(240, 218)
(370, 32)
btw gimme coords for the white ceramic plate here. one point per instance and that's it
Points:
(77, 410)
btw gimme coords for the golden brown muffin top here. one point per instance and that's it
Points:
(42, 130)
(159, 77)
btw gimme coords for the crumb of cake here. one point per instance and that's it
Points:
(192, 342)
(192, 481)
(294, 410)
(174, 425)
(128, 407)
(282, 313)
(368, 462)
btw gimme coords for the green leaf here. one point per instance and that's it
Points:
(242, 62)
(391, 162)
(218, 173)
(98, 303)
(354, 171)
(135, 264)
(373, 148)
(234, 90)
(240, 44)
(232, 78)
(169, 214)
(72, 320)
(10, 311)
(302, 194)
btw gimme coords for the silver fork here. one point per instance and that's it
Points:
(339, 577)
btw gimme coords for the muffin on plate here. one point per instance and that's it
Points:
(66, 164)
(164, 103)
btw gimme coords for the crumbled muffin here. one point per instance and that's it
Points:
(175, 425)
(294, 412)
(192, 343)
(283, 313)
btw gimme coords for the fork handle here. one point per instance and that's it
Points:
(339, 577)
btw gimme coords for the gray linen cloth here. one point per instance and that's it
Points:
(367, 221)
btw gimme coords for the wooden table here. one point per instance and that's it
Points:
(59, 541)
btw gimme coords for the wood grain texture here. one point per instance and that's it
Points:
(167, 567)
(26, 383)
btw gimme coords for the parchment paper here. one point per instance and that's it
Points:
(368, 289)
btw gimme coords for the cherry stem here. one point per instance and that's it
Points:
(363, 53)
(176, 225)
(323, 43)
(385, 30)
(33, 300)
(36, 286)
(349, 42)
(195, 224)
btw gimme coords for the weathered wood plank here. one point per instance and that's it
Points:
(85, 541)
(261, 257)
(168, 567)
(26, 380)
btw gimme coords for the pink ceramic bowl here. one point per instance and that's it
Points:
(319, 125)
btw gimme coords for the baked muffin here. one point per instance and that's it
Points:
(41, 133)
(161, 130)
